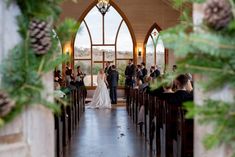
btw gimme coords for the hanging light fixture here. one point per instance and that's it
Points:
(103, 6)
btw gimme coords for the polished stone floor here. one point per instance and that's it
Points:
(107, 133)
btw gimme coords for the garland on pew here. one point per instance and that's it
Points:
(209, 51)
(37, 54)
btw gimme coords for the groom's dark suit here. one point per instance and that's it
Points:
(114, 77)
(107, 71)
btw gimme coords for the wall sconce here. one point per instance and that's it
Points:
(139, 52)
(67, 49)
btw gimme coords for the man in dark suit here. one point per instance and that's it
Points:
(154, 72)
(130, 73)
(114, 77)
(144, 70)
(107, 71)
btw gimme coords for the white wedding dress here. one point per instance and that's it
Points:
(101, 97)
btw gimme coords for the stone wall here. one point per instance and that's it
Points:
(226, 94)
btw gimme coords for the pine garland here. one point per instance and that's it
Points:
(209, 52)
(22, 69)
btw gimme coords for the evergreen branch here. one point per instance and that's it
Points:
(41, 65)
(208, 69)
(25, 86)
(61, 101)
(211, 43)
(233, 7)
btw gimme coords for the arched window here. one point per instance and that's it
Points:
(154, 50)
(101, 38)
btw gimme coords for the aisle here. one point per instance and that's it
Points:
(106, 133)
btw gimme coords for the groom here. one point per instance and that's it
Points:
(113, 83)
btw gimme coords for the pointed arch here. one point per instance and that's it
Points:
(124, 30)
(148, 36)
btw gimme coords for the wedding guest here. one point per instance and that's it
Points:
(174, 67)
(80, 77)
(130, 73)
(183, 93)
(57, 92)
(139, 74)
(144, 70)
(146, 84)
(80, 80)
(154, 72)
(68, 73)
(168, 88)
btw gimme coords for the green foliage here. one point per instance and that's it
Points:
(202, 50)
(42, 9)
(66, 29)
(22, 70)
(121, 69)
(219, 114)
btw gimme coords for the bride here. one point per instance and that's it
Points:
(101, 97)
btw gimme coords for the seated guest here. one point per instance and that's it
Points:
(137, 84)
(168, 88)
(145, 85)
(57, 92)
(182, 94)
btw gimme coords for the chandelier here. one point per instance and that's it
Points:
(103, 6)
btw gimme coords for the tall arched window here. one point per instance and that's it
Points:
(154, 50)
(101, 38)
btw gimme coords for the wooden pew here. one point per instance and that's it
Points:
(184, 137)
(59, 135)
(141, 103)
(166, 129)
(66, 122)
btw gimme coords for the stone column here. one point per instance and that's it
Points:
(31, 134)
(225, 94)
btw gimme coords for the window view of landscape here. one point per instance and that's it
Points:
(92, 48)
(155, 51)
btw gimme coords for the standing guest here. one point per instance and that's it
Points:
(68, 73)
(80, 77)
(154, 72)
(107, 71)
(80, 80)
(174, 67)
(144, 70)
(130, 73)
(139, 74)
(57, 73)
(114, 77)
(157, 71)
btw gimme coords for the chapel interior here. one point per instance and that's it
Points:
(149, 117)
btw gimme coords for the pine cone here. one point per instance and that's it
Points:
(6, 104)
(40, 34)
(217, 13)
